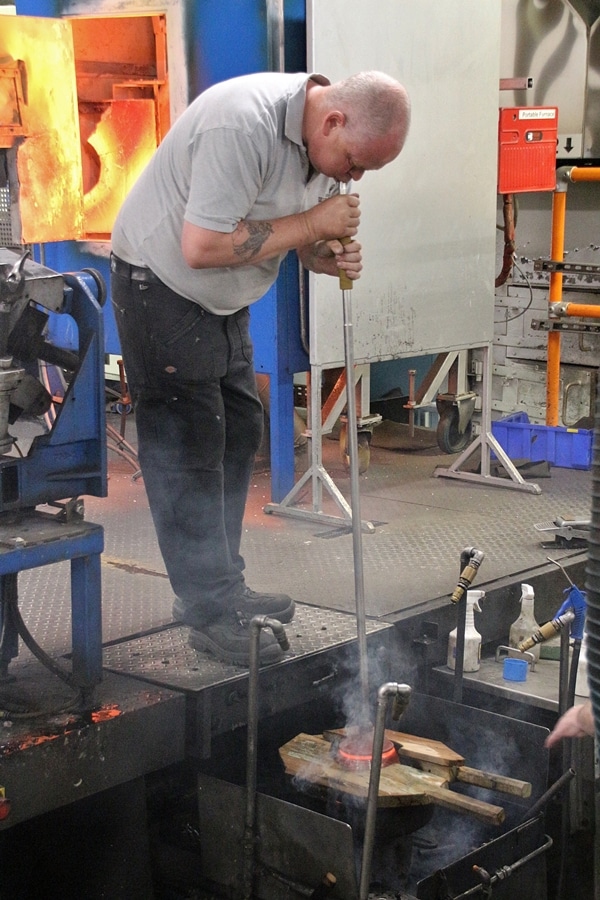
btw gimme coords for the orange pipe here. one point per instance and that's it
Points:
(559, 206)
(581, 310)
(557, 252)
(581, 173)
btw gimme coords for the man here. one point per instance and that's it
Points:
(578, 721)
(246, 174)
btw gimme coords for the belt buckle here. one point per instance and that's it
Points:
(140, 274)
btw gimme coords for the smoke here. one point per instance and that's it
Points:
(351, 696)
(445, 840)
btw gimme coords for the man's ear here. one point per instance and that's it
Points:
(334, 119)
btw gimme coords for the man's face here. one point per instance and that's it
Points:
(335, 152)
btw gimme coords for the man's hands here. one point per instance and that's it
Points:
(336, 217)
(333, 257)
(329, 222)
(254, 241)
(576, 722)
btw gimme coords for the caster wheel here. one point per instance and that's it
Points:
(449, 438)
(364, 449)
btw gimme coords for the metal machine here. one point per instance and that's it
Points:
(41, 510)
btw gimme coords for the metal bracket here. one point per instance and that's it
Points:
(551, 265)
(72, 510)
(573, 325)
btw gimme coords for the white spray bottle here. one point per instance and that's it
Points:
(525, 624)
(472, 652)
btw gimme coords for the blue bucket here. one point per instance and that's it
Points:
(515, 669)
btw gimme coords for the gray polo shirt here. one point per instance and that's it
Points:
(235, 153)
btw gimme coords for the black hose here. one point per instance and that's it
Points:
(12, 610)
(592, 583)
(12, 619)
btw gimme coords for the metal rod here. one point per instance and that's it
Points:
(539, 805)
(563, 671)
(249, 840)
(391, 689)
(459, 662)
(562, 569)
(275, 36)
(411, 401)
(352, 438)
(487, 881)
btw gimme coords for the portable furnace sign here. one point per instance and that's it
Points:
(527, 149)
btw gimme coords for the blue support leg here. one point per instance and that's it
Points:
(281, 419)
(86, 621)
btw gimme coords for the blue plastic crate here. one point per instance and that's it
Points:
(568, 448)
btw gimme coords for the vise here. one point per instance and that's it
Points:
(58, 392)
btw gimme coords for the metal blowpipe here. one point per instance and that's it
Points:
(352, 437)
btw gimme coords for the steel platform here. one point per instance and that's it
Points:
(411, 565)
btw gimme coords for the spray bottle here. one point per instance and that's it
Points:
(472, 654)
(525, 624)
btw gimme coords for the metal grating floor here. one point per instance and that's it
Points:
(164, 657)
(411, 560)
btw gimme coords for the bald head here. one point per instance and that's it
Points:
(374, 105)
(355, 125)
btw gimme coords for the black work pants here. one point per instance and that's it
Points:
(199, 424)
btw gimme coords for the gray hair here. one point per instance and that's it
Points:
(373, 103)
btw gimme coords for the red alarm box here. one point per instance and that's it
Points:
(527, 138)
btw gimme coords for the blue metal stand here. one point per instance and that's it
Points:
(38, 539)
(276, 328)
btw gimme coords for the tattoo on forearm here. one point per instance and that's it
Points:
(256, 234)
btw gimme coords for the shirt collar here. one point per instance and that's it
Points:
(295, 108)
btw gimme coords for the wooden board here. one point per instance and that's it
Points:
(439, 759)
(414, 747)
(309, 758)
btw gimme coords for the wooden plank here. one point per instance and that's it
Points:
(412, 746)
(425, 749)
(493, 781)
(439, 759)
(485, 812)
(309, 758)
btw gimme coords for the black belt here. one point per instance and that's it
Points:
(133, 273)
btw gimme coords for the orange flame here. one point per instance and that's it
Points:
(124, 140)
(48, 159)
(77, 143)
